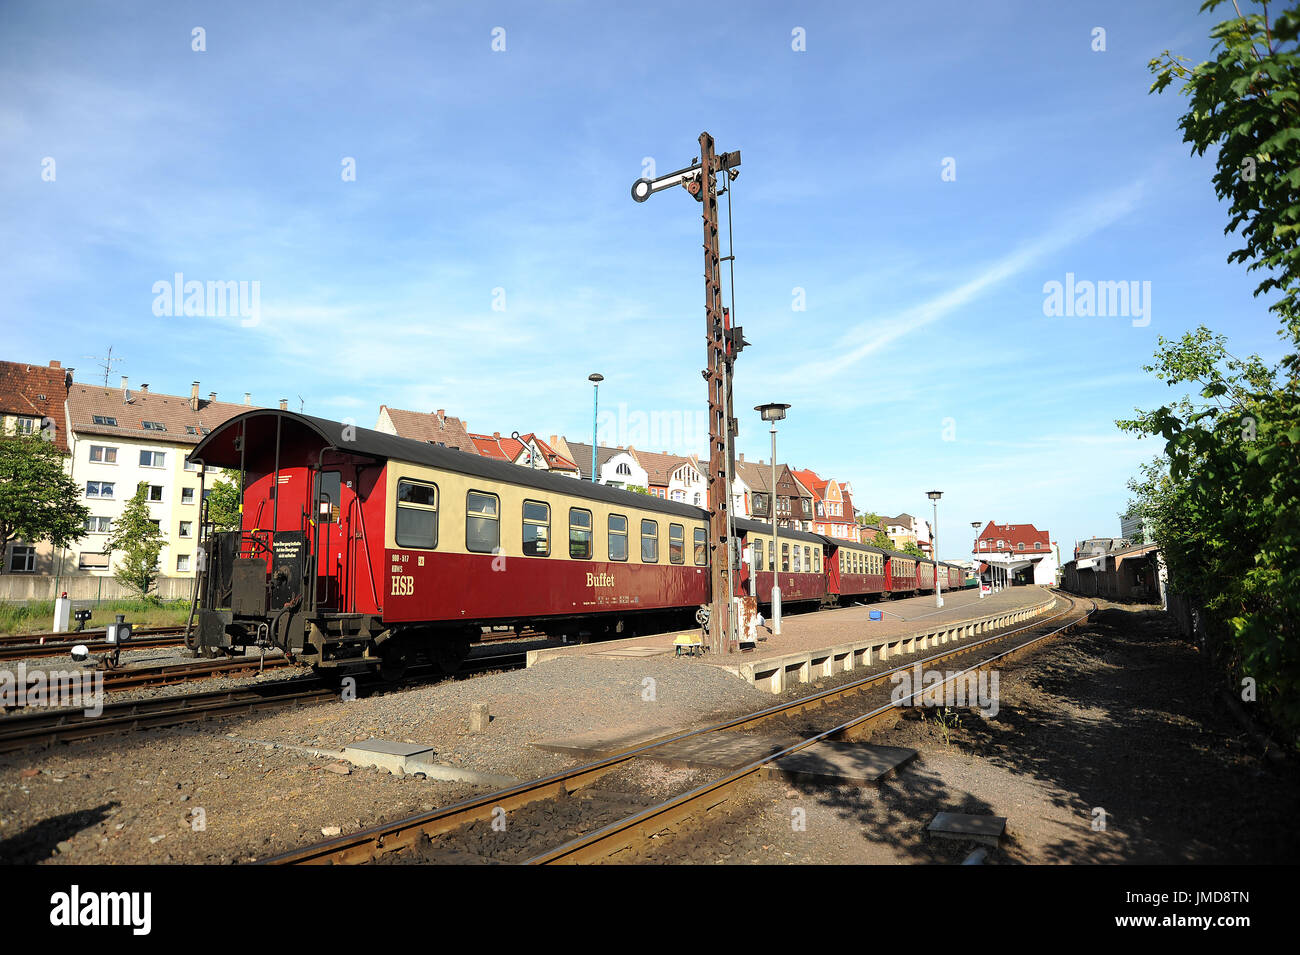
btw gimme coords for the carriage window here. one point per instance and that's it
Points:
(701, 547)
(579, 533)
(617, 537)
(676, 544)
(758, 556)
(807, 559)
(327, 500)
(785, 558)
(417, 514)
(650, 542)
(817, 560)
(482, 522)
(798, 559)
(537, 529)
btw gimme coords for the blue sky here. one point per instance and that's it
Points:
(923, 358)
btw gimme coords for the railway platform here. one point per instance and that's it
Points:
(815, 645)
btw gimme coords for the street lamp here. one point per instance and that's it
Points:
(975, 526)
(774, 412)
(595, 380)
(934, 546)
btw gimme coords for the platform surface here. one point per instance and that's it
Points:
(824, 629)
(857, 764)
(605, 742)
(720, 750)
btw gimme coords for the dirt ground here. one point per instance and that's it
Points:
(1106, 748)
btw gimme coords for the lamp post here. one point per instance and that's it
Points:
(934, 546)
(774, 412)
(595, 380)
(975, 552)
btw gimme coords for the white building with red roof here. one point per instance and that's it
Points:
(1016, 553)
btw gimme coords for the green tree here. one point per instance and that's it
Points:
(882, 541)
(38, 501)
(223, 505)
(912, 549)
(1223, 501)
(140, 542)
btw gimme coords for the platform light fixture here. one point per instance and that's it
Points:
(934, 546)
(773, 412)
(595, 378)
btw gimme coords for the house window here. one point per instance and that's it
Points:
(187, 495)
(89, 561)
(99, 525)
(105, 421)
(537, 529)
(697, 498)
(579, 533)
(22, 559)
(482, 522)
(1020, 546)
(190, 465)
(676, 544)
(623, 469)
(679, 495)
(1038, 545)
(182, 563)
(187, 529)
(157, 525)
(155, 493)
(27, 425)
(701, 547)
(153, 426)
(417, 514)
(153, 459)
(617, 537)
(102, 455)
(99, 489)
(650, 542)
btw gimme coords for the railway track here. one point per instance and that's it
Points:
(171, 674)
(27, 645)
(64, 726)
(639, 826)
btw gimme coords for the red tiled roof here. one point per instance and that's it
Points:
(495, 446)
(36, 391)
(132, 408)
(1012, 535)
(554, 459)
(657, 466)
(431, 428)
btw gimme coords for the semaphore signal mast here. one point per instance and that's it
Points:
(723, 344)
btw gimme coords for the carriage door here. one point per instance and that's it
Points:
(331, 541)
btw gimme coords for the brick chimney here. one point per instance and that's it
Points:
(194, 396)
(740, 458)
(212, 396)
(284, 404)
(144, 388)
(248, 397)
(56, 364)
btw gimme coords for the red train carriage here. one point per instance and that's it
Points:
(925, 571)
(854, 570)
(357, 547)
(900, 573)
(803, 572)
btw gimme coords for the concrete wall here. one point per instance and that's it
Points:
(23, 587)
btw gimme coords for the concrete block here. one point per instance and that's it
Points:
(385, 754)
(960, 825)
(479, 718)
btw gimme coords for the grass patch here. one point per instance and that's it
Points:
(37, 616)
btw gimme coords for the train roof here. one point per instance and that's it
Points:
(784, 533)
(219, 449)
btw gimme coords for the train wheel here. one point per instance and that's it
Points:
(451, 650)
